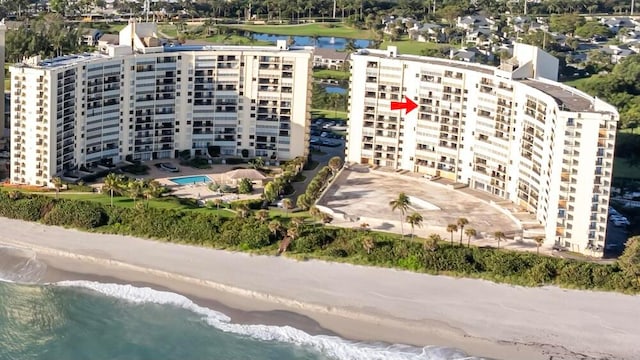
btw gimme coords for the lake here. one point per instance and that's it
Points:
(322, 42)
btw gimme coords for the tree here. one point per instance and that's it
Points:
(245, 186)
(629, 261)
(242, 210)
(401, 203)
(315, 212)
(539, 241)
(451, 228)
(217, 202)
(461, 224)
(470, 232)
(335, 163)
(297, 222)
(303, 202)
(270, 192)
(414, 219)
(135, 188)
(566, 23)
(57, 184)
(262, 215)
(368, 244)
(499, 235)
(275, 226)
(431, 243)
(591, 29)
(287, 205)
(257, 163)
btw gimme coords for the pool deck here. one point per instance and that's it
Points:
(199, 190)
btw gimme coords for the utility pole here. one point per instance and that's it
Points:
(525, 6)
(633, 7)
(334, 8)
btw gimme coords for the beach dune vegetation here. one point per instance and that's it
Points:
(250, 233)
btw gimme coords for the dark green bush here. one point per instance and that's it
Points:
(205, 228)
(78, 214)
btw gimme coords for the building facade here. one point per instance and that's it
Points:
(144, 100)
(511, 131)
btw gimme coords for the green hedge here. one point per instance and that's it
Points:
(347, 245)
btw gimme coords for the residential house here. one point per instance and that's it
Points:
(617, 52)
(615, 24)
(90, 37)
(427, 32)
(329, 58)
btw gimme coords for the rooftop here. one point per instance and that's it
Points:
(567, 100)
(434, 61)
(62, 61)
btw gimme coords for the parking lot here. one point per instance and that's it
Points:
(326, 132)
(365, 195)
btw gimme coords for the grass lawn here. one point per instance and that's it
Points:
(329, 114)
(115, 28)
(168, 30)
(410, 47)
(331, 74)
(317, 29)
(622, 169)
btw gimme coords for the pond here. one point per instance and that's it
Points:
(335, 90)
(335, 43)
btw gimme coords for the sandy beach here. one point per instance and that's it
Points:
(354, 302)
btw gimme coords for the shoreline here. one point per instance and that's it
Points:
(354, 302)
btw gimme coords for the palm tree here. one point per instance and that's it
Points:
(364, 226)
(401, 203)
(431, 243)
(470, 232)
(242, 210)
(451, 228)
(315, 212)
(335, 163)
(151, 190)
(262, 215)
(499, 235)
(539, 241)
(135, 188)
(368, 244)
(217, 203)
(414, 219)
(287, 205)
(274, 227)
(57, 183)
(461, 223)
(297, 222)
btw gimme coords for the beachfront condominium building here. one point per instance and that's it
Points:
(149, 99)
(511, 131)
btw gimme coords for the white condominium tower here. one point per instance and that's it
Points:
(145, 99)
(511, 131)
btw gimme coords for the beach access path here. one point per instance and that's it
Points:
(480, 317)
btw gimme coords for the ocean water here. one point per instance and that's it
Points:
(90, 320)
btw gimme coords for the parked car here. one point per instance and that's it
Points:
(169, 167)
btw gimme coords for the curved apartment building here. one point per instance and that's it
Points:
(143, 99)
(511, 131)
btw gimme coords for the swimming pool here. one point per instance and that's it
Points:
(186, 180)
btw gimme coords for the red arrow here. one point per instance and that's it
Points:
(408, 104)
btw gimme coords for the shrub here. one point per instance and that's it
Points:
(252, 204)
(245, 186)
(78, 214)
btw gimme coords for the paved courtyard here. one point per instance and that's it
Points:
(363, 196)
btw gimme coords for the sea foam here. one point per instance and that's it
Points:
(331, 346)
(20, 265)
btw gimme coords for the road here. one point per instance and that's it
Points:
(329, 152)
